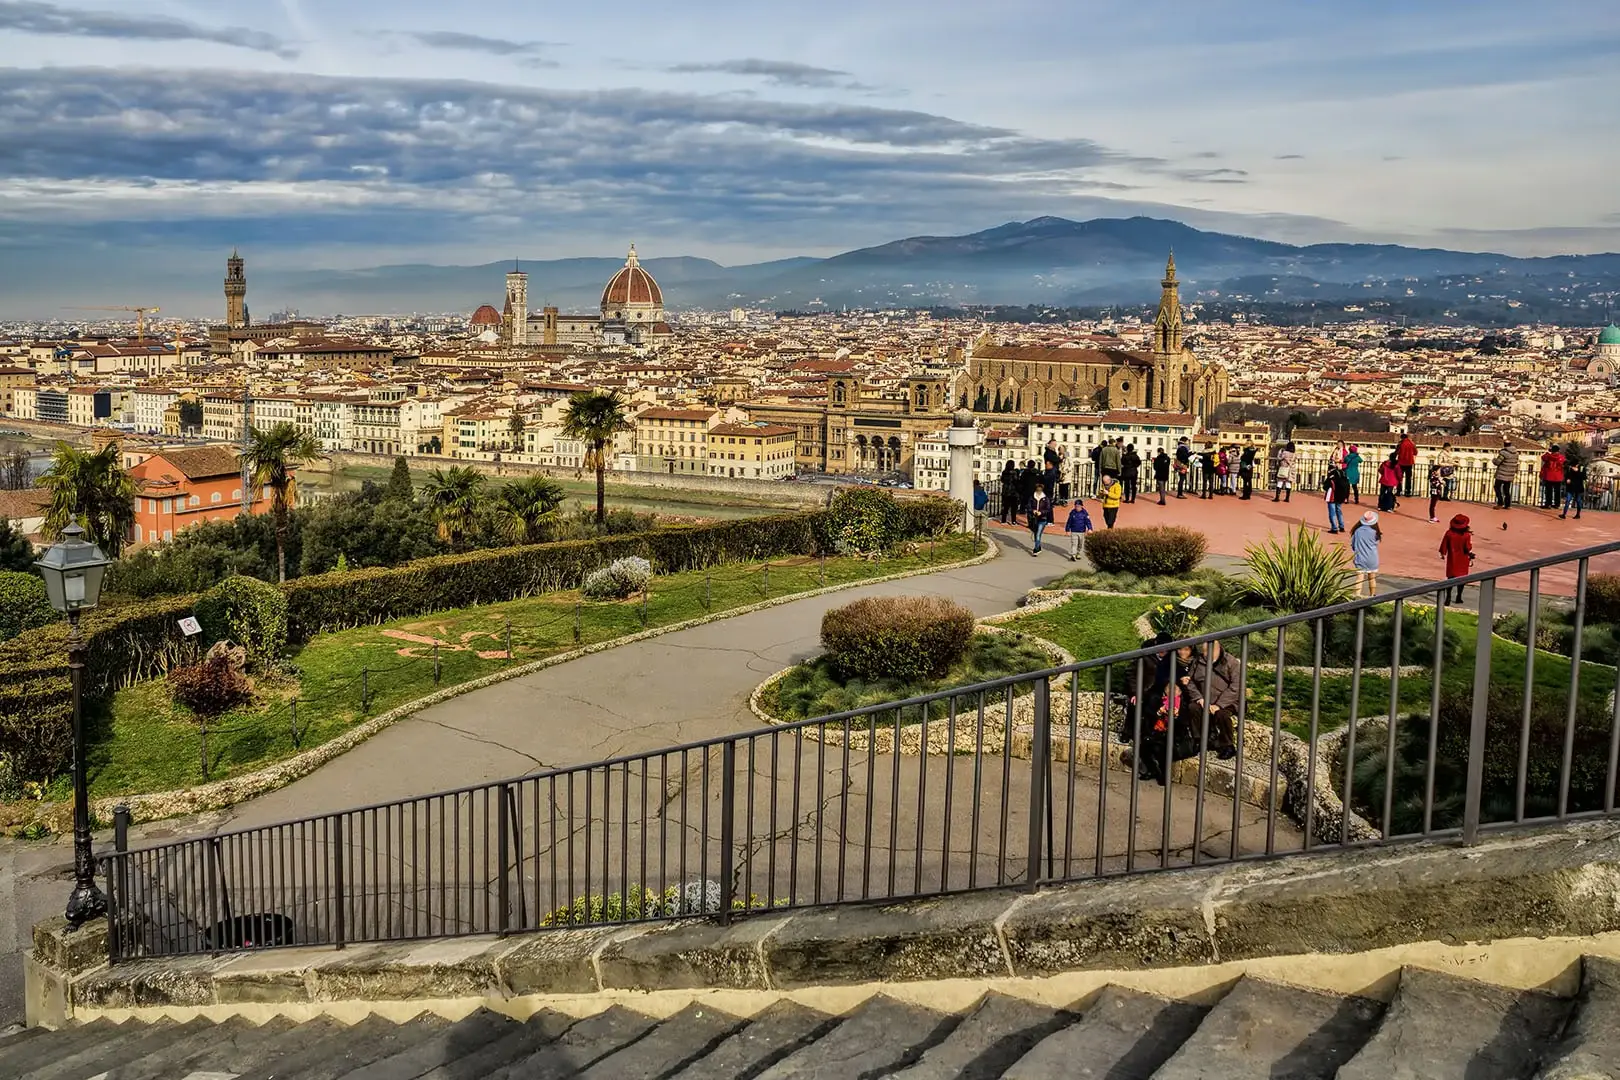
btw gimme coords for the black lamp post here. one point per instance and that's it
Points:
(73, 569)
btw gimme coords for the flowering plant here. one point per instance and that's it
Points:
(1173, 619)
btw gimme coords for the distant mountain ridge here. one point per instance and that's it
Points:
(1045, 261)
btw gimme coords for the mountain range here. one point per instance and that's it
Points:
(1047, 261)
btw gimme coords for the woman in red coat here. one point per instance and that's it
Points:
(1457, 548)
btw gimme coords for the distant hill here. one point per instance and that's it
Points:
(1047, 260)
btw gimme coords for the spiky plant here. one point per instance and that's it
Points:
(1295, 573)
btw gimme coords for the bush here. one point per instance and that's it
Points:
(1296, 573)
(862, 520)
(1163, 549)
(1603, 598)
(897, 637)
(930, 515)
(23, 603)
(618, 580)
(248, 611)
(210, 688)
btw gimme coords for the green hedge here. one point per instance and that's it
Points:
(23, 603)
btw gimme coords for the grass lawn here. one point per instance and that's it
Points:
(141, 742)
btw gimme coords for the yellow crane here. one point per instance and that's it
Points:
(140, 316)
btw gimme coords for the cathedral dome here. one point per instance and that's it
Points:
(486, 316)
(632, 286)
(1610, 335)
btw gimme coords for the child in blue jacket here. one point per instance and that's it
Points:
(1077, 525)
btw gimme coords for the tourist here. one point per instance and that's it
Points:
(1077, 525)
(1457, 549)
(1223, 471)
(1552, 478)
(1446, 462)
(1009, 493)
(981, 497)
(1284, 472)
(1352, 472)
(1211, 671)
(1039, 512)
(1149, 713)
(1364, 541)
(1161, 473)
(1574, 487)
(1406, 458)
(1389, 482)
(1206, 467)
(1049, 477)
(1437, 491)
(1338, 493)
(1506, 462)
(1028, 477)
(1183, 466)
(1111, 495)
(1130, 469)
(1340, 452)
(1052, 456)
(1246, 471)
(1109, 459)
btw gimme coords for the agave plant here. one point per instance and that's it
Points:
(1296, 573)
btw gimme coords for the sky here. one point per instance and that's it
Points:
(141, 139)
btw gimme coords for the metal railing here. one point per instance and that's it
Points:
(1422, 721)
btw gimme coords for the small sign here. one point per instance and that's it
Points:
(190, 626)
(1193, 603)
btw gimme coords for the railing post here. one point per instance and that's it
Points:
(508, 640)
(708, 589)
(297, 741)
(117, 875)
(340, 899)
(1474, 791)
(365, 689)
(728, 819)
(503, 889)
(576, 622)
(435, 663)
(1039, 774)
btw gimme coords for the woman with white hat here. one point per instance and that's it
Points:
(1364, 541)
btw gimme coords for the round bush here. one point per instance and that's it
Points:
(210, 688)
(862, 520)
(248, 611)
(618, 579)
(23, 603)
(1162, 549)
(1603, 598)
(896, 637)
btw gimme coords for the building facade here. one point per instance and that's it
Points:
(674, 441)
(176, 489)
(751, 451)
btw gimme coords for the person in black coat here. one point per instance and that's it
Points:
(1130, 468)
(1009, 494)
(1028, 477)
(1161, 473)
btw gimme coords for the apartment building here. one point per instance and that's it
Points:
(176, 489)
(88, 406)
(11, 378)
(751, 451)
(147, 405)
(222, 415)
(272, 409)
(673, 441)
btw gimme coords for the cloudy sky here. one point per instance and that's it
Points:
(140, 137)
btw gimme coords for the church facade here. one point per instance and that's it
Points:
(1027, 380)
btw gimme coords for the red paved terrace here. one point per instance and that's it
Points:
(1410, 546)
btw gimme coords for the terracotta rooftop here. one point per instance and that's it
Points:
(197, 462)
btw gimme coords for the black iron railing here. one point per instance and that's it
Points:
(1369, 722)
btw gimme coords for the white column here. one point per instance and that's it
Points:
(963, 437)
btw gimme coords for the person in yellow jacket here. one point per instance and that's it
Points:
(1112, 493)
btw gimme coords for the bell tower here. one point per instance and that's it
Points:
(517, 302)
(1167, 325)
(236, 316)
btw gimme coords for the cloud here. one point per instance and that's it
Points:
(31, 17)
(1289, 157)
(451, 39)
(775, 72)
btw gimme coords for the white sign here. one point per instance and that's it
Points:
(190, 626)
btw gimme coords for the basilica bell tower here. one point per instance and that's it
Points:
(236, 316)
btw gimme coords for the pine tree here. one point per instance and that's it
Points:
(399, 482)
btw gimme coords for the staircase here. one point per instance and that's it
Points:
(1437, 1027)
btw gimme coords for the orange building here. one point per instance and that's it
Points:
(175, 489)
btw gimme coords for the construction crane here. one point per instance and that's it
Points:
(140, 316)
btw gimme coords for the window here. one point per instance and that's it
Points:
(214, 498)
(195, 501)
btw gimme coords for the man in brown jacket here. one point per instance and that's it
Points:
(1211, 670)
(1507, 471)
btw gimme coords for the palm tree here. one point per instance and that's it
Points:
(516, 427)
(92, 489)
(528, 506)
(595, 417)
(270, 459)
(453, 495)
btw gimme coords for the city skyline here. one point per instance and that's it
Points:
(140, 141)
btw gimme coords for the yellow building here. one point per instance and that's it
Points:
(751, 451)
(673, 440)
(858, 428)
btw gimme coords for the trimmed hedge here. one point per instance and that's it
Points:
(896, 637)
(250, 612)
(24, 604)
(1162, 549)
(1603, 598)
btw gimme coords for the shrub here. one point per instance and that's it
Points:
(861, 520)
(209, 688)
(898, 637)
(23, 603)
(1163, 549)
(618, 579)
(1603, 598)
(1296, 573)
(930, 515)
(248, 611)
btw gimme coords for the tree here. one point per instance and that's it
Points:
(270, 459)
(191, 415)
(453, 496)
(16, 553)
(14, 469)
(595, 417)
(1295, 421)
(92, 489)
(1470, 421)
(528, 507)
(516, 426)
(400, 485)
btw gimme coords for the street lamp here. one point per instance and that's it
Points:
(73, 568)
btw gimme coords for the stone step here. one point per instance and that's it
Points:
(440, 1048)
(668, 1048)
(880, 1036)
(228, 1048)
(22, 1059)
(1267, 1029)
(1121, 1035)
(135, 1041)
(998, 1032)
(520, 1042)
(342, 1049)
(770, 1036)
(1590, 1049)
(584, 1043)
(1441, 1025)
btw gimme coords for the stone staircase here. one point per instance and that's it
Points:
(1437, 1027)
